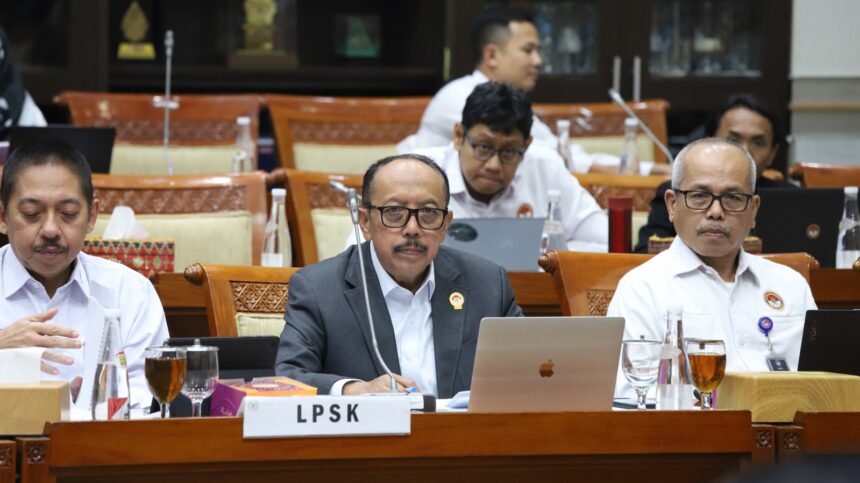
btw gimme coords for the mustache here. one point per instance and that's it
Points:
(49, 245)
(411, 244)
(711, 228)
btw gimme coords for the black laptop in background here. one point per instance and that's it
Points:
(95, 143)
(830, 342)
(800, 220)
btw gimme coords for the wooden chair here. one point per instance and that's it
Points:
(640, 188)
(341, 134)
(317, 213)
(606, 132)
(186, 208)
(202, 128)
(586, 282)
(242, 300)
(815, 175)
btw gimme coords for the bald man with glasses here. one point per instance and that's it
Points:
(427, 300)
(757, 307)
(496, 172)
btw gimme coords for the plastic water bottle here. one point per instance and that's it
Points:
(562, 127)
(674, 382)
(110, 388)
(245, 149)
(630, 153)
(848, 243)
(553, 237)
(277, 250)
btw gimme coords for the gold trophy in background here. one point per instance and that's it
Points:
(134, 28)
(259, 52)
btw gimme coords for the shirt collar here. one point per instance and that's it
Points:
(15, 276)
(479, 76)
(685, 260)
(387, 284)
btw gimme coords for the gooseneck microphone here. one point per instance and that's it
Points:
(352, 202)
(616, 98)
(168, 60)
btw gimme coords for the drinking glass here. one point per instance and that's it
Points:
(200, 376)
(707, 366)
(165, 373)
(640, 361)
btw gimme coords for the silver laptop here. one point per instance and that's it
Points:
(513, 243)
(537, 364)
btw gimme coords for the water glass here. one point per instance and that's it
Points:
(640, 362)
(201, 374)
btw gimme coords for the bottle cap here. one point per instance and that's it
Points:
(562, 125)
(631, 122)
(675, 311)
(279, 193)
(554, 195)
(851, 191)
(243, 121)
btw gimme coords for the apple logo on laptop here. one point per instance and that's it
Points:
(546, 368)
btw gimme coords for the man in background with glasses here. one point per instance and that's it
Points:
(495, 172)
(724, 292)
(427, 300)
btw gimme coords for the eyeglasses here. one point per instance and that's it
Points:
(483, 152)
(702, 200)
(398, 216)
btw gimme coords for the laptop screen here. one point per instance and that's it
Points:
(513, 243)
(830, 342)
(239, 357)
(95, 143)
(800, 220)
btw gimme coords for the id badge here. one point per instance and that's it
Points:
(776, 363)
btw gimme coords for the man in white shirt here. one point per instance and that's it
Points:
(426, 300)
(723, 291)
(51, 294)
(507, 49)
(495, 171)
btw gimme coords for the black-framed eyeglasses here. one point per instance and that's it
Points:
(702, 200)
(483, 152)
(398, 216)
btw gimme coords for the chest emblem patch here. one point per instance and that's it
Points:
(773, 300)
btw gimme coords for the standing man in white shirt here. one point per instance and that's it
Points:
(723, 291)
(495, 171)
(51, 294)
(507, 49)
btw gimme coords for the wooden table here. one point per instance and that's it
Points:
(604, 446)
(535, 292)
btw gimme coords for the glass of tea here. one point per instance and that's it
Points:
(165, 369)
(707, 366)
(640, 362)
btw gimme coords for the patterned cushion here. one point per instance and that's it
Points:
(614, 144)
(332, 227)
(149, 160)
(339, 158)
(259, 325)
(222, 237)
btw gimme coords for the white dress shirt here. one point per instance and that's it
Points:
(31, 115)
(412, 321)
(542, 169)
(95, 284)
(446, 109)
(713, 309)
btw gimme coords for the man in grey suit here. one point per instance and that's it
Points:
(427, 300)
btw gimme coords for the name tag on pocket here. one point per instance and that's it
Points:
(777, 363)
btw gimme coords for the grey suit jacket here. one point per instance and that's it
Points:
(327, 337)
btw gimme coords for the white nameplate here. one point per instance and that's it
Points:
(294, 416)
